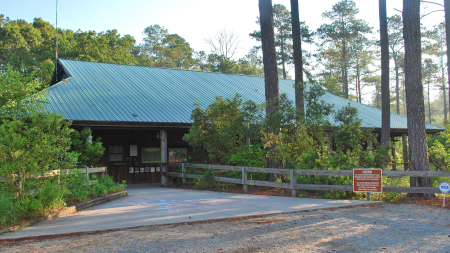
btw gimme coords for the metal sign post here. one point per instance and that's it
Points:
(444, 187)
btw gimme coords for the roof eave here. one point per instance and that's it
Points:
(129, 125)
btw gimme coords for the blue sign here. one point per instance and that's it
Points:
(444, 187)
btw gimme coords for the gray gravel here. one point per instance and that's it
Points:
(387, 227)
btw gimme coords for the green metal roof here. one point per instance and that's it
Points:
(113, 92)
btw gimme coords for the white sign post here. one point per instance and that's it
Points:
(444, 187)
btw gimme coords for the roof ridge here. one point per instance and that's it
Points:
(189, 70)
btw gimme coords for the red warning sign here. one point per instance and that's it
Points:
(367, 180)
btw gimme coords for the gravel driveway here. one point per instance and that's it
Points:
(386, 227)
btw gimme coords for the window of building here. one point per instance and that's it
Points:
(115, 153)
(151, 155)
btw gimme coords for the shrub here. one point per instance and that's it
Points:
(8, 214)
(90, 151)
(100, 190)
(51, 195)
(77, 186)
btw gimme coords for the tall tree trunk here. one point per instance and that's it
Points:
(298, 62)
(385, 96)
(345, 77)
(397, 85)
(429, 104)
(404, 98)
(447, 38)
(283, 62)
(270, 73)
(445, 103)
(358, 83)
(418, 149)
(443, 89)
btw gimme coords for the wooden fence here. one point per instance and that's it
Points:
(292, 172)
(57, 173)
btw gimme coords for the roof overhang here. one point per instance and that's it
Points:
(173, 125)
(129, 125)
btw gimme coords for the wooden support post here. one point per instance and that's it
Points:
(211, 179)
(369, 144)
(164, 178)
(87, 173)
(164, 146)
(294, 192)
(368, 196)
(244, 180)
(394, 166)
(405, 153)
(164, 168)
(183, 171)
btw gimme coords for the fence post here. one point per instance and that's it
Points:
(183, 169)
(291, 173)
(244, 180)
(87, 173)
(211, 179)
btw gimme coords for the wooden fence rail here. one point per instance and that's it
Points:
(292, 172)
(54, 173)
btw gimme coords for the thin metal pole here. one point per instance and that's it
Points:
(56, 63)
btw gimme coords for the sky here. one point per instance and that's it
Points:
(194, 20)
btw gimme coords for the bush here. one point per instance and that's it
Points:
(439, 150)
(51, 195)
(8, 214)
(90, 151)
(109, 183)
(100, 190)
(394, 182)
(77, 185)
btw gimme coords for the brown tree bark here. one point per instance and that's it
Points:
(385, 95)
(418, 149)
(345, 70)
(397, 86)
(298, 61)
(270, 72)
(447, 37)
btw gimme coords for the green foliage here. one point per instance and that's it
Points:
(8, 213)
(282, 24)
(19, 95)
(110, 185)
(48, 196)
(307, 147)
(30, 47)
(161, 49)
(207, 181)
(251, 156)
(223, 127)
(34, 145)
(332, 85)
(100, 190)
(392, 182)
(439, 150)
(90, 151)
(77, 185)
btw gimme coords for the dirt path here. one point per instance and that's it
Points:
(391, 228)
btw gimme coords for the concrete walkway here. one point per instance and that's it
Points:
(156, 205)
